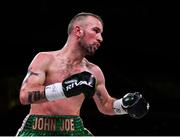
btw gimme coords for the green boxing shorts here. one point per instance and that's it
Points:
(42, 125)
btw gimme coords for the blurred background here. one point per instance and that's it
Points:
(139, 53)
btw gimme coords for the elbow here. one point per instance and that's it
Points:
(106, 110)
(23, 98)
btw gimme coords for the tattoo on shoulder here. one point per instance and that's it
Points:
(34, 96)
(99, 96)
(30, 73)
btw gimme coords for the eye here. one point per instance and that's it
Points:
(97, 30)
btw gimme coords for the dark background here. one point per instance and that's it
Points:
(139, 53)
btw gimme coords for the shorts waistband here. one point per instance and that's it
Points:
(53, 123)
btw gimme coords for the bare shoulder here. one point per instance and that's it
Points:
(42, 59)
(91, 66)
(45, 56)
(95, 70)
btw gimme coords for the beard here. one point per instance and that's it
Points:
(89, 49)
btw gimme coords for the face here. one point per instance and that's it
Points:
(91, 37)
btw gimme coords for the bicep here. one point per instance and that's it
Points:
(102, 98)
(101, 95)
(36, 71)
(33, 84)
(104, 101)
(33, 78)
(32, 87)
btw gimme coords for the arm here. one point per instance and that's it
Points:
(133, 104)
(32, 88)
(34, 91)
(103, 100)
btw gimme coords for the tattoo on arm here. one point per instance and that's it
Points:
(30, 73)
(99, 97)
(35, 96)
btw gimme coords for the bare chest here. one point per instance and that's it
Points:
(60, 70)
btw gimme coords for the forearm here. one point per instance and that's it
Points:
(83, 82)
(40, 94)
(106, 107)
(72, 86)
(32, 95)
(105, 103)
(110, 107)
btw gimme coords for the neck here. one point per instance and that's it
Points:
(73, 52)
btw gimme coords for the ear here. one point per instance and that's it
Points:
(78, 31)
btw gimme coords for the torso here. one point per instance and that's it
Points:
(58, 70)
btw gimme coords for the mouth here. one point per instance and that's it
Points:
(94, 47)
(97, 45)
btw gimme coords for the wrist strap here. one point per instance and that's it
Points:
(54, 92)
(117, 106)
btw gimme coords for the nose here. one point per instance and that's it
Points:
(99, 38)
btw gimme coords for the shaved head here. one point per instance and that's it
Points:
(79, 18)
